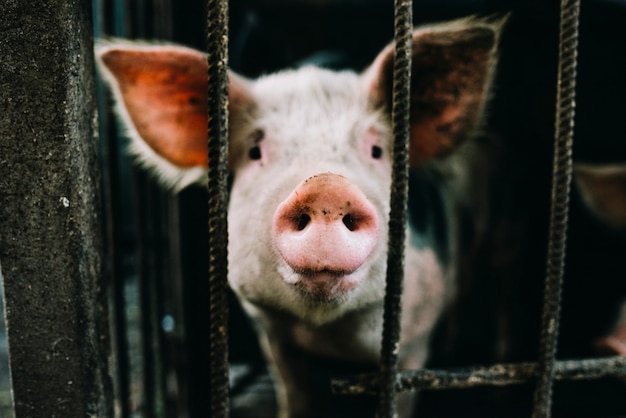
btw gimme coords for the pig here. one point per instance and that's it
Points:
(310, 155)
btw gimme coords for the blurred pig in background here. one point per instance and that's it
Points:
(310, 152)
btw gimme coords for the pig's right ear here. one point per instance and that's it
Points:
(161, 97)
(451, 71)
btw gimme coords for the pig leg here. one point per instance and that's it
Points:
(289, 372)
(288, 366)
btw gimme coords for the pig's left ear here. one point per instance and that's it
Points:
(603, 189)
(451, 72)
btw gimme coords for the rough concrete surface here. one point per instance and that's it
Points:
(50, 240)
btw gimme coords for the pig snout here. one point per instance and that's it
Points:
(325, 230)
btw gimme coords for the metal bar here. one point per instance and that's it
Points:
(50, 236)
(217, 48)
(561, 180)
(113, 238)
(177, 359)
(498, 375)
(147, 275)
(160, 17)
(403, 26)
(159, 289)
(115, 262)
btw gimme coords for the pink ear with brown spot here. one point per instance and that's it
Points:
(450, 79)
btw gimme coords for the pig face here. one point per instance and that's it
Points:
(316, 234)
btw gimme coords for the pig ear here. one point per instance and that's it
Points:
(450, 77)
(603, 189)
(161, 97)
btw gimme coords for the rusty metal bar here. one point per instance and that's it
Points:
(50, 237)
(148, 207)
(403, 25)
(113, 237)
(498, 375)
(561, 180)
(217, 48)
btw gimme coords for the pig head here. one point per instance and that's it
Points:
(310, 154)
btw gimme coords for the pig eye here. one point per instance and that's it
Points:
(256, 137)
(255, 153)
(377, 152)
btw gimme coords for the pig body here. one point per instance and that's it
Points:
(310, 153)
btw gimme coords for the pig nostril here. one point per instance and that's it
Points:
(349, 222)
(303, 221)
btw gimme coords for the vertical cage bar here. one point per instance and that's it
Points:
(217, 48)
(177, 358)
(113, 236)
(562, 175)
(146, 211)
(403, 24)
(115, 270)
(127, 233)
